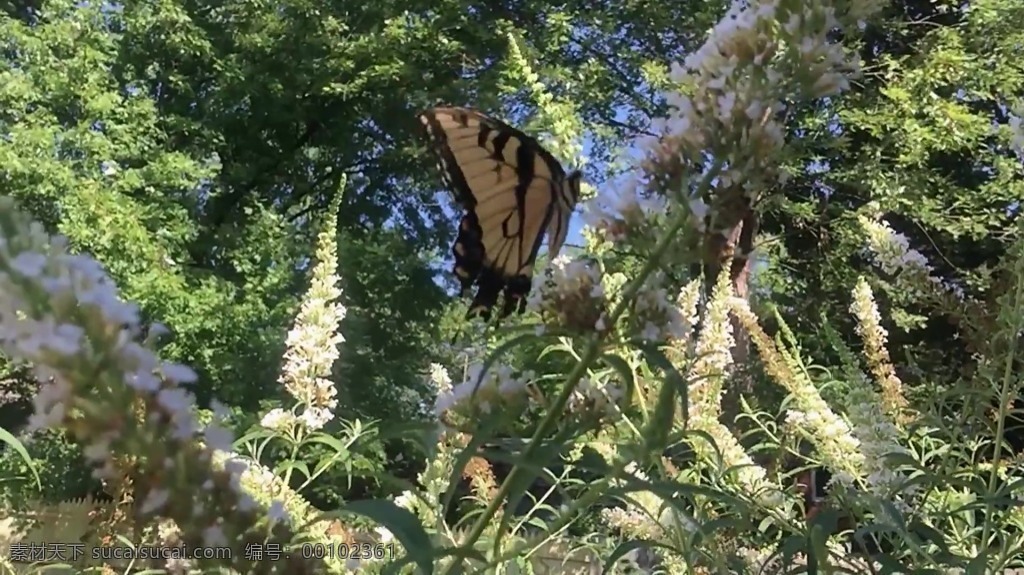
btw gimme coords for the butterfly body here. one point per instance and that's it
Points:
(513, 192)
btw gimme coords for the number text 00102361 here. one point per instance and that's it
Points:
(345, 551)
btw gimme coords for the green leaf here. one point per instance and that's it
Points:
(978, 565)
(405, 527)
(817, 552)
(333, 442)
(673, 378)
(286, 466)
(658, 428)
(19, 448)
(622, 368)
(330, 461)
(929, 534)
(256, 433)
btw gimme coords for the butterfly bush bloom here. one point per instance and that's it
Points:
(169, 535)
(639, 517)
(761, 560)
(646, 516)
(61, 313)
(891, 251)
(624, 212)
(312, 344)
(870, 328)
(485, 391)
(283, 504)
(440, 382)
(832, 436)
(732, 88)
(571, 295)
(560, 118)
(727, 105)
(707, 374)
(712, 357)
(731, 95)
(687, 303)
(769, 561)
(434, 479)
(879, 438)
(871, 415)
(278, 419)
(601, 397)
(655, 316)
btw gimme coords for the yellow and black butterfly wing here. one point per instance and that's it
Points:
(568, 194)
(507, 184)
(510, 230)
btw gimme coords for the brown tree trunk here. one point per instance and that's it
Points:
(732, 241)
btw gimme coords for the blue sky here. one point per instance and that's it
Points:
(575, 225)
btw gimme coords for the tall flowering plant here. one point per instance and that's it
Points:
(312, 349)
(102, 383)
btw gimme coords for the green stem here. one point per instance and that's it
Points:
(1004, 399)
(295, 454)
(323, 468)
(589, 354)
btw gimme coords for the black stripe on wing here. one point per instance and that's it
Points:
(466, 141)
